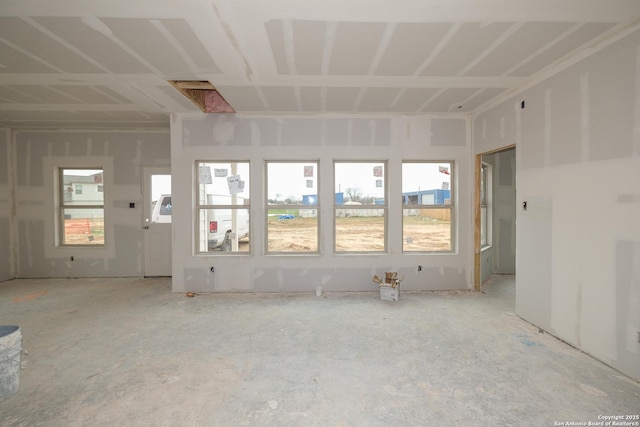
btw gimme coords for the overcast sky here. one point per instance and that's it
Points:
(287, 179)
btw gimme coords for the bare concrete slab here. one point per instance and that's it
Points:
(106, 352)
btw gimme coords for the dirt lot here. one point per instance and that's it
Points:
(300, 234)
(83, 231)
(358, 234)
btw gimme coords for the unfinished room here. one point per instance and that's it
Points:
(319, 213)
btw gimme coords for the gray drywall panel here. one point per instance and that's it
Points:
(612, 91)
(302, 131)
(534, 262)
(356, 137)
(126, 172)
(31, 253)
(5, 251)
(448, 132)
(627, 303)
(565, 119)
(5, 203)
(127, 152)
(577, 242)
(504, 212)
(495, 129)
(336, 132)
(4, 174)
(29, 157)
(533, 131)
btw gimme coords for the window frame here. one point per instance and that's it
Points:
(486, 206)
(291, 206)
(60, 235)
(451, 207)
(199, 207)
(384, 207)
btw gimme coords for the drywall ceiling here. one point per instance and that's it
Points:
(107, 63)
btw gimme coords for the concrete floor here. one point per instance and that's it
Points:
(106, 352)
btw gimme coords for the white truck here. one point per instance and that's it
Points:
(218, 222)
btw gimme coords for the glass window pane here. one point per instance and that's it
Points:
(223, 183)
(83, 227)
(292, 230)
(360, 230)
(425, 183)
(225, 230)
(161, 205)
(292, 183)
(483, 226)
(82, 187)
(360, 183)
(426, 230)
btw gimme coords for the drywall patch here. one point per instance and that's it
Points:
(627, 303)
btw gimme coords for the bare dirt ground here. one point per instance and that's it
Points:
(358, 234)
(83, 231)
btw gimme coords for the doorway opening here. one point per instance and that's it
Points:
(495, 214)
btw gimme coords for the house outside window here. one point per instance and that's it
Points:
(81, 207)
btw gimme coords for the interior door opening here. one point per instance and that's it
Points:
(495, 215)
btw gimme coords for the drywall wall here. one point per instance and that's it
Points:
(5, 207)
(578, 170)
(260, 138)
(500, 257)
(122, 155)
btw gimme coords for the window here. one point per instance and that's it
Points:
(222, 207)
(427, 206)
(292, 207)
(360, 207)
(485, 204)
(81, 207)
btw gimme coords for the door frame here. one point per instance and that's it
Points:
(477, 246)
(147, 172)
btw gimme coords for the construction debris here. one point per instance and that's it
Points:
(390, 287)
(391, 279)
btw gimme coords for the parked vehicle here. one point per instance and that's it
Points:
(218, 222)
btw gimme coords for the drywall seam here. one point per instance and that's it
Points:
(604, 41)
(547, 128)
(636, 116)
(12, 182)
(585, 118)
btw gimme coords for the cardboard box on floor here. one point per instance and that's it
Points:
(390, 287)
